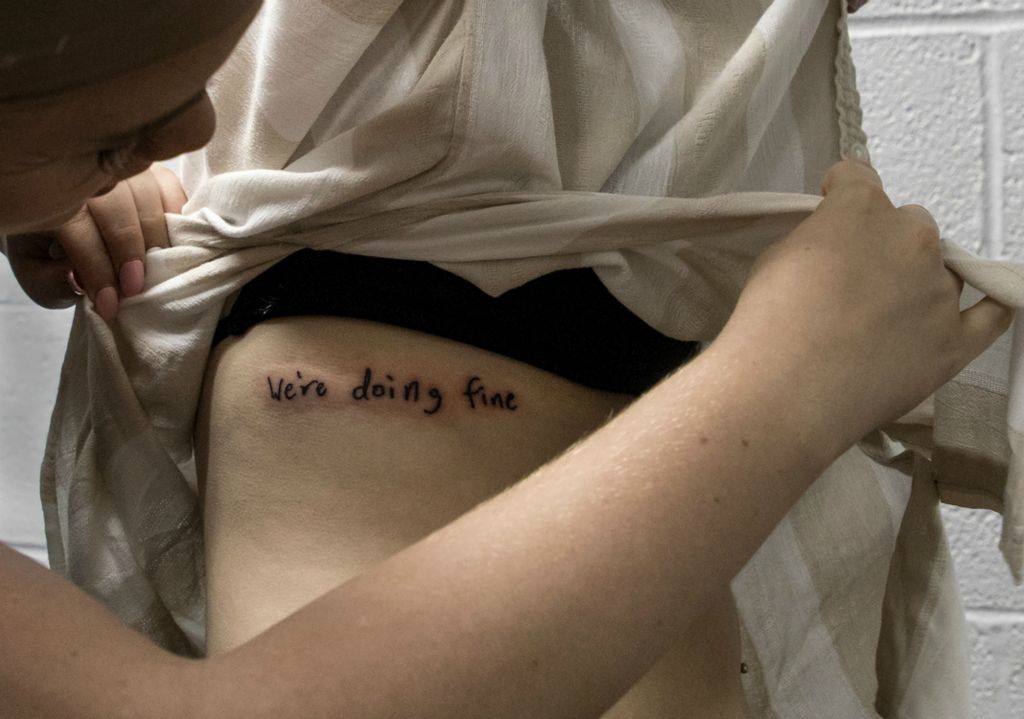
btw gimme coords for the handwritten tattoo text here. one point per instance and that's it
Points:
(377, 388)
(410, 391)
(294, 390)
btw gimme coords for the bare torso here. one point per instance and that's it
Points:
(326, 445)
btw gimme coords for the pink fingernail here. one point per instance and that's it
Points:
(106, 303)
(133, 278)
(73, 281)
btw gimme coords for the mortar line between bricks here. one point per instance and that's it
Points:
(987, 23)
(990, 617)
(992, 241)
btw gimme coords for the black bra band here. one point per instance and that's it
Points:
(565, 322)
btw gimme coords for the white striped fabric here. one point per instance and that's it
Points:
(664, 143)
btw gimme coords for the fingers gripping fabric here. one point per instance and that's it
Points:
(665, 145)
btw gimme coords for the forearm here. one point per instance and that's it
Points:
(65, 655)
(549, 600)
(554, 597)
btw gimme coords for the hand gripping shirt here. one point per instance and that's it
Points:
(665, 145)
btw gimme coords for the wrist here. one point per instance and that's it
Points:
(788, 383)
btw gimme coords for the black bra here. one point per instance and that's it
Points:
(565, 322)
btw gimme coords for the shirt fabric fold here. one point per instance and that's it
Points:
(664, 144)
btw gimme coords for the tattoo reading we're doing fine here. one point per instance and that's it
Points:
(375, 389)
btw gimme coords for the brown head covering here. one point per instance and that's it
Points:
(47, 46)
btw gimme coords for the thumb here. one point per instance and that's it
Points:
(45, 281)
(983, 324)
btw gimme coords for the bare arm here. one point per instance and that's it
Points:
(70, 657)
(558, 582)
(550, 599)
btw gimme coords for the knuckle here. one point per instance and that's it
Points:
(144, 183)
(831, 174)
(80, 223)
(95, 271)
(924, 234)
(152, 219)
(853, 164)
(122, 240)
(865, 195)
(919, 213)
(847, 168)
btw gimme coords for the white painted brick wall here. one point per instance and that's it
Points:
(32, 344)
(943, 87)
(942, 83)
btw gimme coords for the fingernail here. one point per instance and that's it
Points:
(106, 303)
(75, 286)
(133, 275)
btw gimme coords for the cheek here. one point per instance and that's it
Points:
(47, 197)
(188, 132)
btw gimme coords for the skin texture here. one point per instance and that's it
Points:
(304, 494)
(563, 620)
(576, 611)
(60, 156)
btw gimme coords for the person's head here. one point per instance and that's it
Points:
(94, 92)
